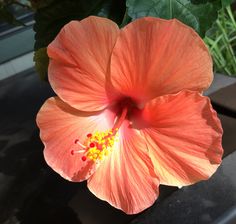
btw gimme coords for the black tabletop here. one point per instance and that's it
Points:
(30, 192)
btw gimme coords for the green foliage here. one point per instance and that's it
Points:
(226, 2)
(221, 40)
(41, 62)
(52, 17)
(199, 16)
(49, 20)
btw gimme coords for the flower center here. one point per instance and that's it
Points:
(100, 144)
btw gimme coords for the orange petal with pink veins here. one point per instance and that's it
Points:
(60, 126)
(154, 57)
(79, 58)
(126, 179)
(184, 135)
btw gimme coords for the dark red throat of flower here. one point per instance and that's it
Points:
(99, 144)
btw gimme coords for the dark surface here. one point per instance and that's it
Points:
(226, 97)
(31, 193)
(204, 202)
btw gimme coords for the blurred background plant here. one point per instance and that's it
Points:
(221, 40)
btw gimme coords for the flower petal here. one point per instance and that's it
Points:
(184, 137)
(126, 179)
(79, 58)
(60, 125)
(154, 57)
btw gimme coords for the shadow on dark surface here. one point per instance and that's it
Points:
(35, 194)
(31, 193)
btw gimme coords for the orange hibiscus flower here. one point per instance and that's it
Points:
(129, 113)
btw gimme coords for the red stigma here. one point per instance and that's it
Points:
(89, 135)
(84, 158)
(91, 145)
(72, 152)
(76, 141)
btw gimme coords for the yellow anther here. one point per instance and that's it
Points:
(106, 152)
(100, 144)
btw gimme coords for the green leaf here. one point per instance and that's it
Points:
(41, 62)
(199, 16)
(50, 20)
(226, 2)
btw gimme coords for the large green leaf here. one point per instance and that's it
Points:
(199, 16)
(223, 3)
(226, 2)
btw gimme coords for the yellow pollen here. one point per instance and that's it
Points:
(100, 144)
